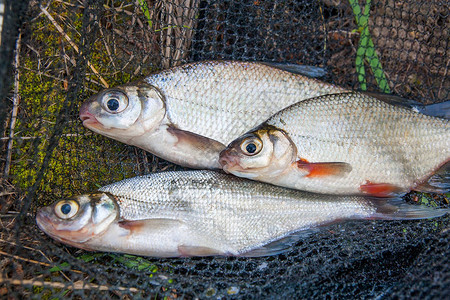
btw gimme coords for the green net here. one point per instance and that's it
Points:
(66, 51)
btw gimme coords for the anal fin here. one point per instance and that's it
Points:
(186, 251)
(437, 183)
(379, 189)
(280, 246)
(397, 209)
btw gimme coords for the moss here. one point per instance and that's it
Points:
(75, 165)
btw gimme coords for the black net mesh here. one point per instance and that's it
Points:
(69, 50)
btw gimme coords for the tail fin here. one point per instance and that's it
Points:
(398, 209)
(441, 110)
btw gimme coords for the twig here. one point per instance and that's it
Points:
(60, 271)
(5, 194)
(16, 99)
(177, 32)
(39, 137)
(59, 28)
(39, 73)
(324, 28)
(443, 78)
(77, 285)
(168, 40)
(106, 45)
(67, 3)
(42, 253)
(33, 261)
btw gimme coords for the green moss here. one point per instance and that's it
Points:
(76, 164)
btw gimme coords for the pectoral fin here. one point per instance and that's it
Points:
(198, 151)
(324, 169)
(138, 226)
(133, 226)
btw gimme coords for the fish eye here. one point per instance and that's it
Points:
(115, 102)
(66, 209)
(251, 146)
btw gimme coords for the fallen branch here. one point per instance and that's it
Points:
(443, 79)
(33, 261)
(40, 137)
(78, 285)
(59, 28)
(16, 99)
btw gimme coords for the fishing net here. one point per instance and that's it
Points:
(55, 54)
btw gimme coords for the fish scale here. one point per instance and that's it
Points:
(213, 198)
(197, 213)
(382, 143)
(223, 99)
(405, 143)
(188, 114)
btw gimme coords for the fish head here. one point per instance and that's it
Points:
(77, 220)
(124, 112)
(265, 151)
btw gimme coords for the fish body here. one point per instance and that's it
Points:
(198, 213)
(347, 143)
(188, 114)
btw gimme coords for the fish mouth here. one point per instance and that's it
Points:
(45, 224)
(43, 221)
(86, 117)
(228, 161)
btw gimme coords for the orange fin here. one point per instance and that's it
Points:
(324, 169)
(379, 189)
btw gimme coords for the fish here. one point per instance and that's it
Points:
(348, 143)
(205, 213)
(188, 114)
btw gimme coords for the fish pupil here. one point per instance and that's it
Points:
(113, 104)
(65, 208)
(251, 148)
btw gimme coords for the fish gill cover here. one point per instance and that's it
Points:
(66, 51)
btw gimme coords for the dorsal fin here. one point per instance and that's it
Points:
(310, 71)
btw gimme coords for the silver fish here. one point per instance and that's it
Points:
(347, 143)
(188, 114)
(199, 213)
